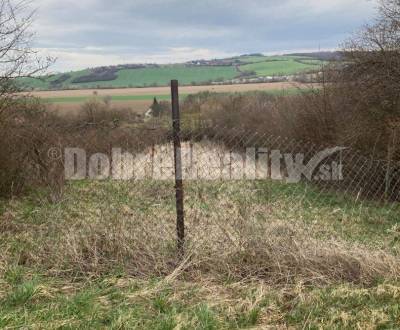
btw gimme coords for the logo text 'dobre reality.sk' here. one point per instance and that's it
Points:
(210, 163)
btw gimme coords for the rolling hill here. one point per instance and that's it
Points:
(245, 67)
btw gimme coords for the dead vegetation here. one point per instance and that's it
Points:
(252, 258)
(97, 229)
(30, 133)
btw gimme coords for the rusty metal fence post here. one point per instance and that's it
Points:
(180, 222)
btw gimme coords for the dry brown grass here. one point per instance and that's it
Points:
(230, 242)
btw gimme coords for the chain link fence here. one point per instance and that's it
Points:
(254, 204)
(244, 188)
(239, 184)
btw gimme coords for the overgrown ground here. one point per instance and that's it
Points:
(259, 254)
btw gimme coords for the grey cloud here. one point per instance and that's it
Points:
(151, 26)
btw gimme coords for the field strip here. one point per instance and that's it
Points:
(140, 99)
(81, 99)
(163, 97)
(122, 98)
(151, 92)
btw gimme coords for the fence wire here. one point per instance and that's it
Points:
(246, 194)
(233, 177)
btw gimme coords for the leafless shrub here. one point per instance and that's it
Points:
(366, 84)
(27, 136)
(17, 59)
(97, 111)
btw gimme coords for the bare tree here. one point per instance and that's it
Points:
(17, 56)
(369, 86)
(373, 62)
(390, 11)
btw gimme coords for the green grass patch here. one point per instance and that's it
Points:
(257, 59)
(127, 303)
(279, 67)
(348, 307)
(44, 83)
(81, 99)
(186, 75)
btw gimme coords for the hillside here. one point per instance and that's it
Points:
(322, 55)
(244, 68)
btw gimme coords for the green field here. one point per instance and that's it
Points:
(186, 74)
(281, 67)
(255, 59)
(43, 83)
(159, 97)
(81, 99)
(144, 77)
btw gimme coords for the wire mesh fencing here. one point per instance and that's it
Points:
(249, 199)
(211, 154)
(276, 170)
(254, 203)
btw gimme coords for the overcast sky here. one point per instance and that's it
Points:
(88, 33)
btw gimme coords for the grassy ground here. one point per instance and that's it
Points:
(117, 302)
(185, 75)
(280, 67)
(43, 83)
(103, 257)
(81, 99)
(257, 59)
